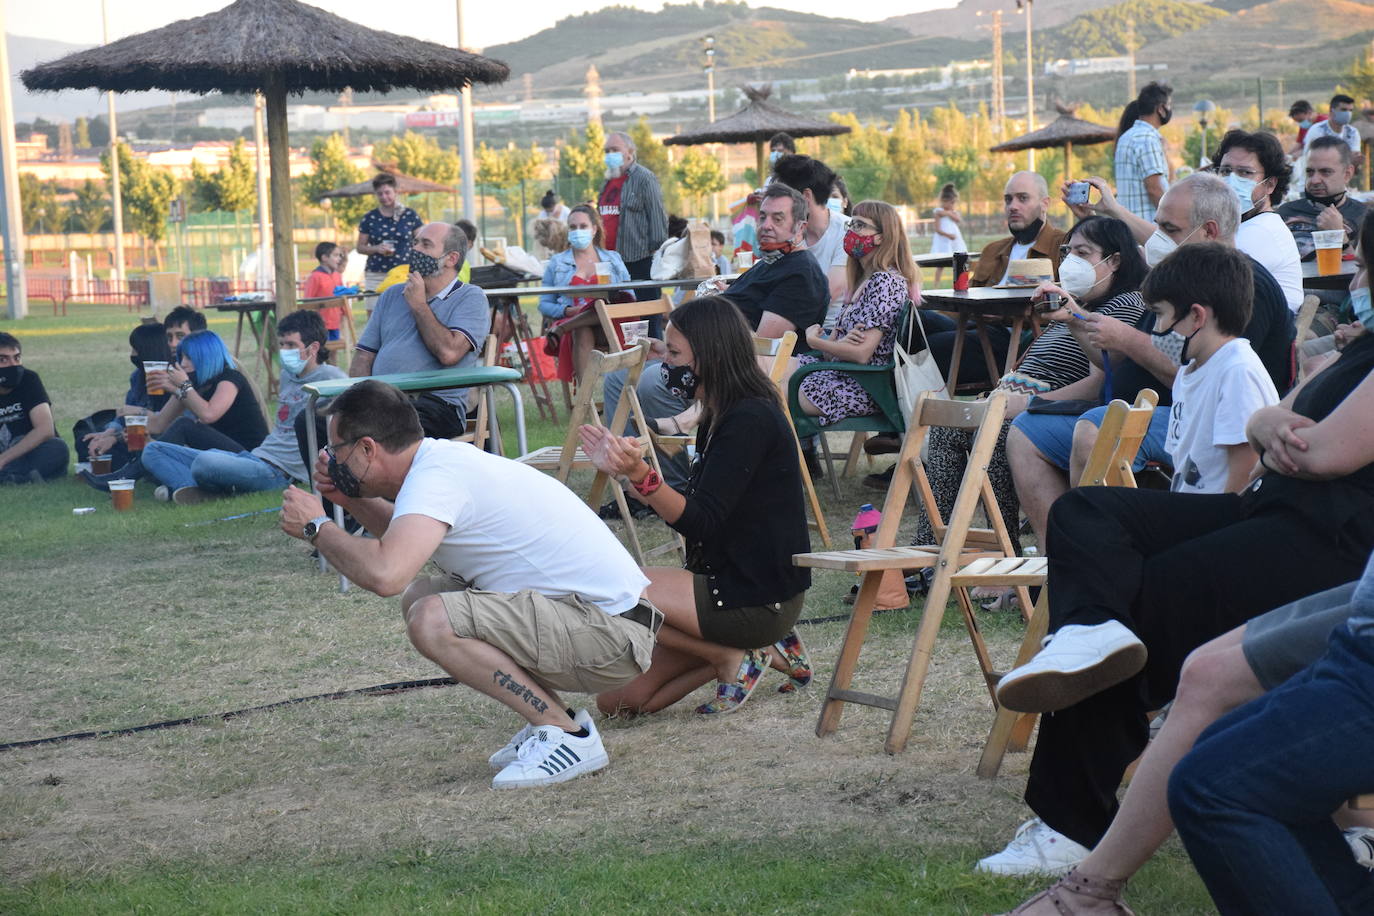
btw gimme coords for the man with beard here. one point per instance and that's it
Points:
(1325, 203)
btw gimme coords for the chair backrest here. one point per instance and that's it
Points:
(930, 411)
(1303, 323)
(1118, 439)
(478, 426)
(609, 313)
(779, 350)
(584, 411)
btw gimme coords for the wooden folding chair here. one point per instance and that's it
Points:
(780, 351)
(564, 459)
(479, 424)
(1109, 464)
(958, 543)
(1301, 325)
(607, 314)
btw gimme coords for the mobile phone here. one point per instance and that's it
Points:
(1078, 192)
(1052, 302)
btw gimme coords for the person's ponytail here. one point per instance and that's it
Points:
(1129, 115)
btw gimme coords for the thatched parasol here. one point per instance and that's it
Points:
(273, 47)
(1065, 131)
(405, 184)
(756, 123)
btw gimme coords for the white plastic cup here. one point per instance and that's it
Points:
(603, 273)
(634, 330)
(745, 259)
(151, 366)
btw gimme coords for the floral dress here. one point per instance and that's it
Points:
(878, 305)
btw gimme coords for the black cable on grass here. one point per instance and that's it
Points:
(378, 690)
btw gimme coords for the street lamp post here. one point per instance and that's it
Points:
(709, 43)
(1203, 112)
(1030, 74)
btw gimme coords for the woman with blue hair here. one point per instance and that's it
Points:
(213, 405)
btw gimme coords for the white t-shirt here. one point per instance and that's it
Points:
(1266, 238)
(1212, 404)
(512, 528)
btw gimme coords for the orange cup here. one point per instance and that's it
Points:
(136, 433)
(122, 494)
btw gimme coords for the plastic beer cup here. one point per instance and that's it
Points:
(1328, 243)
(100, 464)
(122, 494)
(603, 273)
(136, 432)
(148, 369)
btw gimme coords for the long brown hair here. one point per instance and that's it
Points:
(598, 234)
(723, 351)
(894, 253)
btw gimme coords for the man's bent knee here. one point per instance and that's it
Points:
(427, 621)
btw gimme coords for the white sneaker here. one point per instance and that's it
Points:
(162, 494)
(1076, 662)
(1037, 849)
(502, 758)
(551, 755)
(1361, 841)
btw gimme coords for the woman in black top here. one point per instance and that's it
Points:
(742, 515)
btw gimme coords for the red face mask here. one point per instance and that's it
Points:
(859, 246)
(784, 247)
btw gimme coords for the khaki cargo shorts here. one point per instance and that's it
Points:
(564, 643)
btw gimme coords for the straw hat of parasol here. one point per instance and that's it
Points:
(405, 184)
(274, 47)
(1064, 131)
(756, 123)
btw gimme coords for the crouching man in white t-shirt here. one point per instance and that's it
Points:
(1201, 295)
(536, 594)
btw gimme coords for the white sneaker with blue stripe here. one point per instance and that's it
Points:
(551, 755)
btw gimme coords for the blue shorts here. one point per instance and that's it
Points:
(1052, 434)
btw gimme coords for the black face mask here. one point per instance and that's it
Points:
(1165, 116)
(10, 376)
(344, 479)
(1327, 201)
(138, 363)
(1029, 233)
(423, 264)
(680, 381)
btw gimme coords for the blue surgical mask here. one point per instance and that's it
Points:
(292, 361)
(834, 205)
(1341, 117)
(1305, 123)
(1244, 189)
(615, 160)
(1364, 311)
(774, 156)
(579, 238)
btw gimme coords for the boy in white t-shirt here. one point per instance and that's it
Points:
(1201, 295)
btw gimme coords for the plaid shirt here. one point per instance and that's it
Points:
(643, 221)
(1139, 154)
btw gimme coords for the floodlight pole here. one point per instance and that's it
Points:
(11, 227)
(1030, 78)
(116, 197)
(264, 225)
(465, 136)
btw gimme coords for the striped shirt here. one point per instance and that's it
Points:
(1139, 154)
(1055, 356)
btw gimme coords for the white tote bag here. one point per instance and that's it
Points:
(915, 372)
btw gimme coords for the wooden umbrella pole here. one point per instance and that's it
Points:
(761, 159)
(279, 167)
(1068, 162)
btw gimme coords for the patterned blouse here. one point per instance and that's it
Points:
(399, 229)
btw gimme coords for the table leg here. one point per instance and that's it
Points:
(951, 383)
(981, 325)
(238, 335)
(529, 367)
(1015, 345)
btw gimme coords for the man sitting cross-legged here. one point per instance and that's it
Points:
(535, 594)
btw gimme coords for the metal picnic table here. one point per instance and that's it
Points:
(261, 315)
(419, 382)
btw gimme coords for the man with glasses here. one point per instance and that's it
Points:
(535, 595)
(1254, 167)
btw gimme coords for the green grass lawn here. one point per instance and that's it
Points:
(381, 804)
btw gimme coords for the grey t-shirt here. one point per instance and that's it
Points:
(392, 335)
(280, 448)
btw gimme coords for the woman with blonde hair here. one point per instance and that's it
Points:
(882, 279)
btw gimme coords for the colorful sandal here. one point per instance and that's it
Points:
(798, 665)
(730, 697)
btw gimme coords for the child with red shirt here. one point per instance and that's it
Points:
(322, 281)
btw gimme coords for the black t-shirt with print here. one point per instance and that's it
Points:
(16, 405)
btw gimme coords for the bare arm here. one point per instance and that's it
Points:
(1340, 444)
(839, 282)
(1240, 459)
(40, 415)
(855, 347)
(447, 345)
(1108, 205)
(1154, 188)
(221, 399)
(620, 456)
(1117, 336)
(774, 325)
(158, 422)
(361, 365)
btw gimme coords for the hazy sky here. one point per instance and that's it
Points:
(487, 23)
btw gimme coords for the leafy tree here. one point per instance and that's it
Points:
(699, 174)
(580, 165)
(333, 170)
(1112, 30)
(91, 208)
(146, 193)
(506, 172)
(653, 155)
(1359, 81)
(912, 178)
(958, 166)
(39, 208)
(420, 156)
(231, 189)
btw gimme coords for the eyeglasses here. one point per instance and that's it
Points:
(1252, 174)
(331, 451)
(859, 225)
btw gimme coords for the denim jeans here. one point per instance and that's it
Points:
(49, 459)
(179, 466)
(1253, 800)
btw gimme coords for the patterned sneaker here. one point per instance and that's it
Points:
(1361, 841)
(730, 697)
(551, 755)
(502, 758)
(798, 671)
(1037, 849)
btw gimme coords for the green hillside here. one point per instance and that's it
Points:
(1109, 32)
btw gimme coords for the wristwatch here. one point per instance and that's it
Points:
(312, 527)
